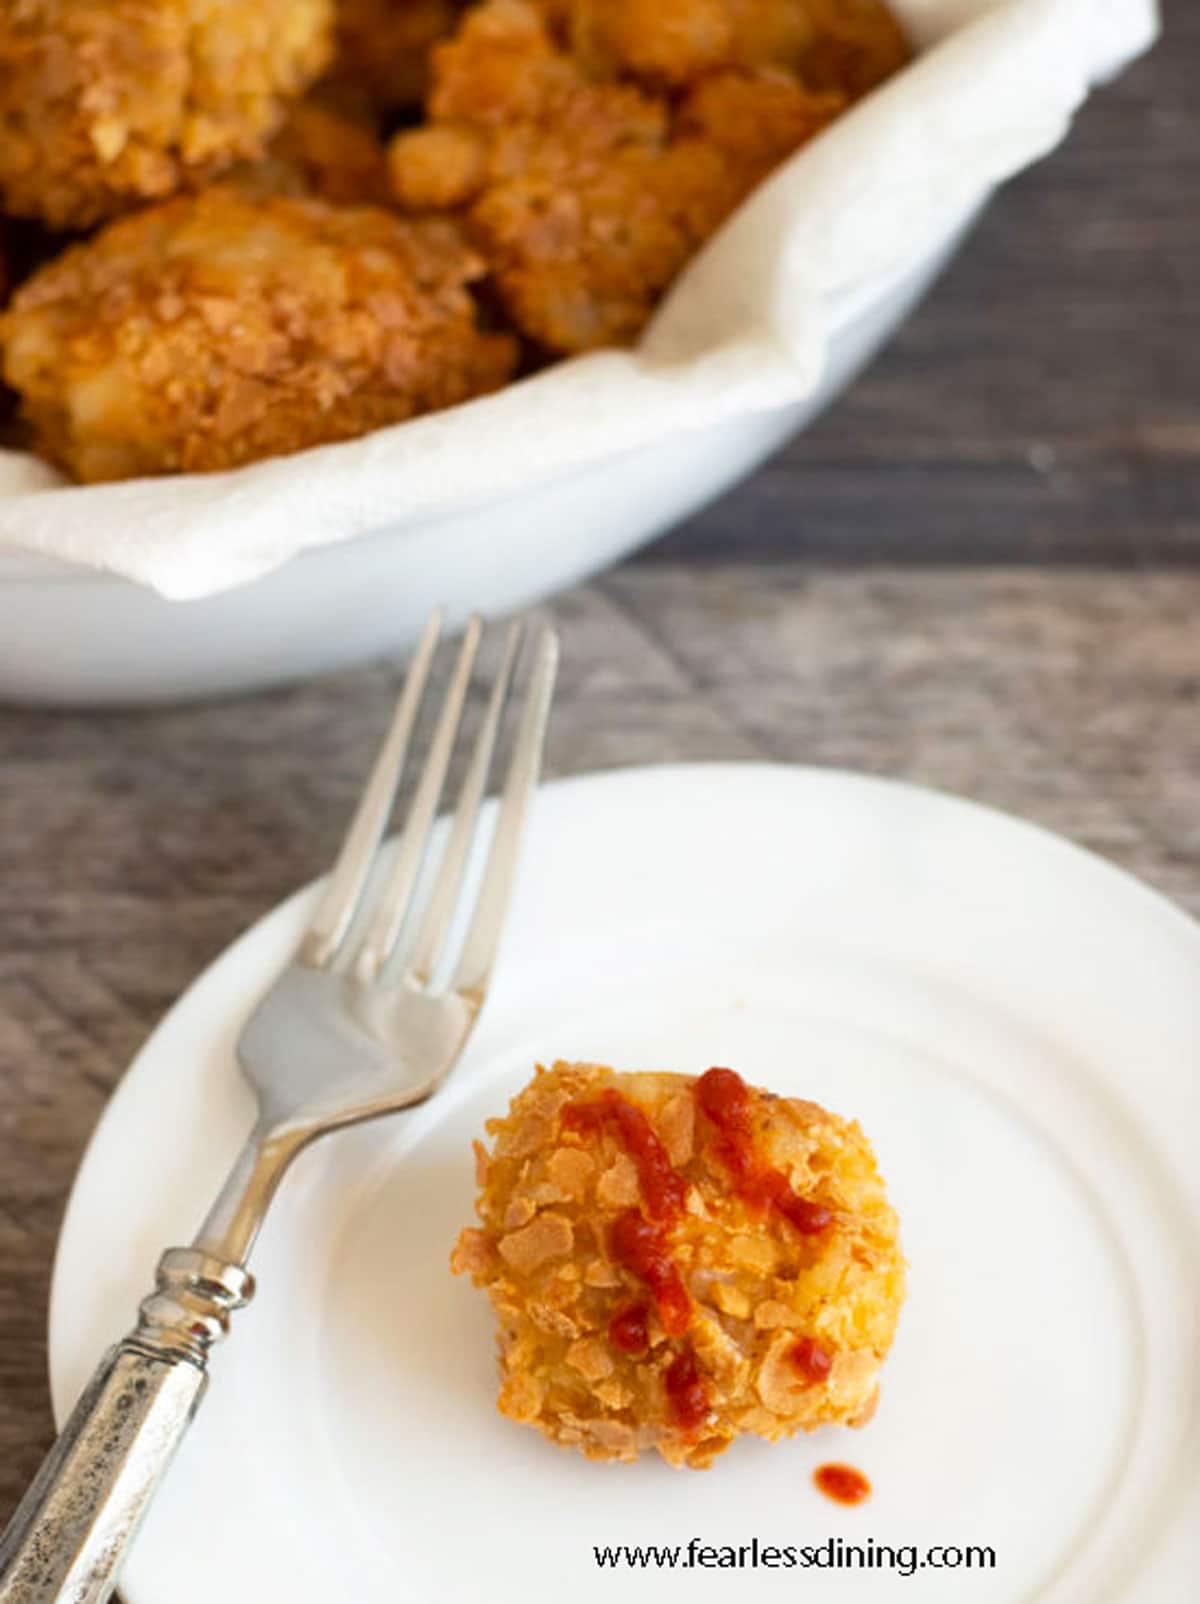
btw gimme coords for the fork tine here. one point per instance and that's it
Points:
(474, 966)
(344, 888)
(387, 918)
(436, 920)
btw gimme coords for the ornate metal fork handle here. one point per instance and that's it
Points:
(72, 1528)
(369, 1009)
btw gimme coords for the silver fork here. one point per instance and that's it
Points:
(356, 1026)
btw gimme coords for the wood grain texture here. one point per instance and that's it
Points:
(137, 846)
(1044, 402)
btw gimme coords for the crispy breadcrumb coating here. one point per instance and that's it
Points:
(848, 45)
(216, 329)
(105, 104)
(780, 1281)
(383, 46)
(585, 150)
(587, 197)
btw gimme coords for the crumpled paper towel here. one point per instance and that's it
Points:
(994, 88)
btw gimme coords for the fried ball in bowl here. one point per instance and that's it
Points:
(674, 1262)
(848, 45)
(588, 197)
(219, 328)
(106, 105)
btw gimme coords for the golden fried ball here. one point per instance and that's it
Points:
(848, 45)
(587, 197)
(108, 103)
(675, 1261)
(219, 328)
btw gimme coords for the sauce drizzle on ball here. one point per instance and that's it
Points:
(663, 1188)
(810, 1360)
(629, 1329)
(728, 1103)
(640, 1245)
(640, 1242)
(687, 1391)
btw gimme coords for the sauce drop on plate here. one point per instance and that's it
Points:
(842, 1483)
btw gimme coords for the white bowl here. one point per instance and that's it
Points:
(78, 637)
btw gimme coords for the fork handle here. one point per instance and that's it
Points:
(70, 1534)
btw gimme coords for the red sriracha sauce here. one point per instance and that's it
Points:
(842, 1483)
(663, 1188)
(811, 1362)
(629, 1329)
(729, 1104)
(640, 1245)
(687, 1391)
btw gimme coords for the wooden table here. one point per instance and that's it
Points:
(979, 572)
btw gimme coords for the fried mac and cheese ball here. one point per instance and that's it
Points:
(847, 45)
(587, 197)
(105, 104)
(216, 329)
(674, 1262)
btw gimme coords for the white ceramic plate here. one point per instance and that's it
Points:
(1017, 1026)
